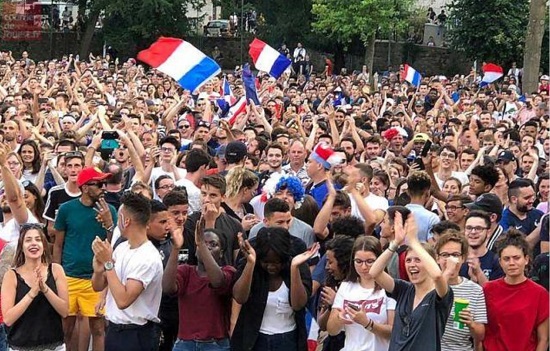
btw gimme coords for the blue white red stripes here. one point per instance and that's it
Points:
(180, 60)
(411, 75)
(268, 59)
(491, 72)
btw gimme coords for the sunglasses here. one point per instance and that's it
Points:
(29, 226)
(72, 154)
(184, 126)
(204, 124)
(96, 184)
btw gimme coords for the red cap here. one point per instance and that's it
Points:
(91, 173)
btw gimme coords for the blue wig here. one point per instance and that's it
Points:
(294, 185)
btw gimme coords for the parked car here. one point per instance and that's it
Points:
(217, 28)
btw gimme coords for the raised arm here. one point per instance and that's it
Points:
(241, 289)
(169, 278)
(12, 190)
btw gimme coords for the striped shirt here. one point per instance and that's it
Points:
(455, 339)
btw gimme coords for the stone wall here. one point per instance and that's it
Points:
(427, 60)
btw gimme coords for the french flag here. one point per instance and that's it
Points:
(227, 93)
(249, 82)
(491, 72)
(268, 59)
(180, 60)
(234, 111)
(411, 75)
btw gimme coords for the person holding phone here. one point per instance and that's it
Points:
(361, 307)
(204, 291)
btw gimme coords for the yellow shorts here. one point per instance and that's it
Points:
(82, 297)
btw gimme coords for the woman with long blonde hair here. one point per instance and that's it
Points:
(34, 295)
(242, 185)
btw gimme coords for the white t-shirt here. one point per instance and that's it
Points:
(375, 202)
(376, 304)
(278, 315)
(193, 194)
(157, 172)
(11, 229)
(458, 175)
(143, 264)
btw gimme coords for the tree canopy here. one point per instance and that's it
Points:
(489, 30)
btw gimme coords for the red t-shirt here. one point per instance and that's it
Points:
(204, 312)
(513, 313)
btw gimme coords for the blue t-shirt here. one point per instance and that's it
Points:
(81, 227)
(319, 191)
(489, 265)
(526, 226)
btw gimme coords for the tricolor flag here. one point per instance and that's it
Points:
(491, 72)
(411, 75)
(227, 93)
(180, 60)
(234, 111)
(268, 59)
(249, 82)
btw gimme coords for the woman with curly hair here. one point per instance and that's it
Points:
(242, 185)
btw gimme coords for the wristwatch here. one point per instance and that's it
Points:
(109, 265)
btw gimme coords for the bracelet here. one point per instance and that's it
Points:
(47, 291)
(110, 229)
(393, 246)
(370, 325)
(29, 295)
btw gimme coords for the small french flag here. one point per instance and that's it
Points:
(411, 75)
(268, 59)
(491, 72)
(234, 111)
(227, 93)
(180, 60)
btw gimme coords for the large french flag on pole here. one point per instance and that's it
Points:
(491, 72)
(268, 59)
(411, 75)
(180, 60)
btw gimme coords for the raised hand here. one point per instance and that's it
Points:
(247, 249)
(104, 215)
(199, 231)
(305, 256)
(176, 233)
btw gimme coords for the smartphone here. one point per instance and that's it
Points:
(354, 306)
(426, 148)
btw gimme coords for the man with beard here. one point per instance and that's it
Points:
(274, 157)
(78, 223)
(372, 148)
(11, 131)
(482, 264)
(520, 213)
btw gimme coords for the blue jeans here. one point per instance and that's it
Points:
(3, 338)
(192, 345)
(277, 342)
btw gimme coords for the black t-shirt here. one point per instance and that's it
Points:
(56, 197)
(421, 328)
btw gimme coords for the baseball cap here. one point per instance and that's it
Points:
(421, 137)
(235, 152)
(506, 156)
(89, 174)
(487, 202)
(544, 77)
(419, 103)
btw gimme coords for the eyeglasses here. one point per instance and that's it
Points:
(28, 226)
(447, 154)
(471, 229)
(96, 184)
(203, 124)
(167, 149)
(453, 208)
(359, 262)
(450, 254)
(167, 187)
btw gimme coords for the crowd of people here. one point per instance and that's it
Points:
(331, 216)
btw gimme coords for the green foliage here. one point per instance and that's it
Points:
(139, 23)
(342, 20)
(489, 30)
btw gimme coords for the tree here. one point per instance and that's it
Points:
(488, 30)
(533, 45)
(342, 20)
(133, 25)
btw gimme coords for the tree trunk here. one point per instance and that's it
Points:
(533, 46)
(369, 43)
(88, 34)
